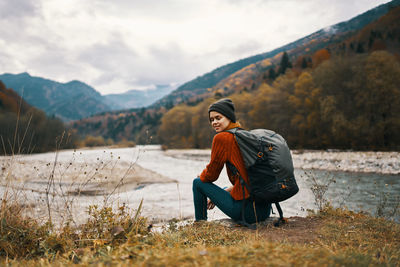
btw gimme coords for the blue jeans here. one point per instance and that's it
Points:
(224, 201)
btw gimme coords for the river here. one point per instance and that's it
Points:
(170, 195)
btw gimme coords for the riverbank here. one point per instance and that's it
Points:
(348, 161)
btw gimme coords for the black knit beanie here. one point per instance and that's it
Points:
(225, 107)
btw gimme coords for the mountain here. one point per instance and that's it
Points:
(197, 89)
(68, 101)
(76, 100)
(137, 98)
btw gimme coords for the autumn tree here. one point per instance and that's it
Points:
(263, 105)
(339, 80)
(176, 127)
(380, 102)
(306, 103)
(202, 132)
(270, 108)
(320, 56)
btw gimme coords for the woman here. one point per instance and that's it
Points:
(207, 195)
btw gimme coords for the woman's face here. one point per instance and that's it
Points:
(218, 121)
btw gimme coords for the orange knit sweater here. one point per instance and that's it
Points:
(224, 149)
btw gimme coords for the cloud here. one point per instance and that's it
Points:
(116, 64)
(162, 10)
(108, 56)
(17, 9)
(168, 62)
(119, 66)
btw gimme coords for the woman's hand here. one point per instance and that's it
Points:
(210, 204)
(229, 189)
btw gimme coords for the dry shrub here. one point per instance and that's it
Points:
(125, 143)
(22, 236)
(92, 141)
(112, 227)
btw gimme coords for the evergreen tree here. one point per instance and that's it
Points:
(304, 64)
(285, 63)
(272, 74)
(360, 48)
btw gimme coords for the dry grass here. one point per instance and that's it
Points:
(122, 238)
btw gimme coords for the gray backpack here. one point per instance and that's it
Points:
(269, 166)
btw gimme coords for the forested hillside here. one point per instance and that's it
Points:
(138, 125)
(25, 129)
(344, 102)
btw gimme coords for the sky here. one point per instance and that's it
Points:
(119, 45)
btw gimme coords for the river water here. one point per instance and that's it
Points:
(370, 192)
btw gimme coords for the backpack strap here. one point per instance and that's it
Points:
(233, 130)
(235, 171)
(281, 220)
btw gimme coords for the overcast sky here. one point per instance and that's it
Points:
(118, 45)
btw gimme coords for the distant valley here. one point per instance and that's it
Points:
(137, 98)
